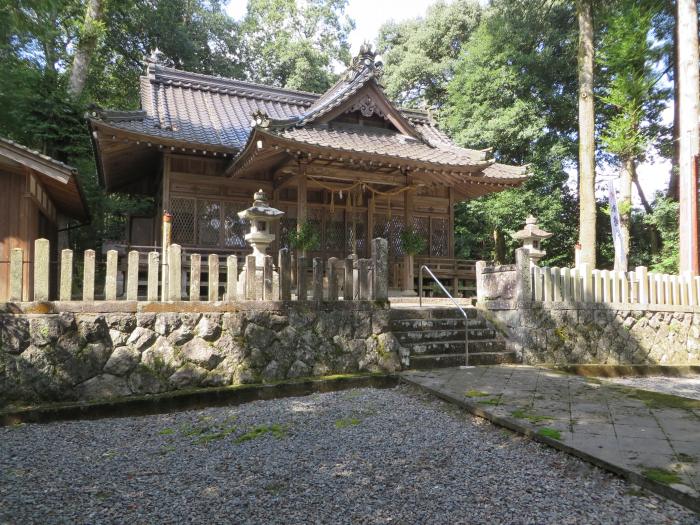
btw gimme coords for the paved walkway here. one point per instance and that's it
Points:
(678, 386)
(651, 438)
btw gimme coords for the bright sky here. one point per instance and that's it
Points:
(369, 15)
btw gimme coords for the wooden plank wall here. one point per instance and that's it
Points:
(19, 226)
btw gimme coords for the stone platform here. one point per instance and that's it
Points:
(648, 437)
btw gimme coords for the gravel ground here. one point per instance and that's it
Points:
(356, 456)
(678, 386)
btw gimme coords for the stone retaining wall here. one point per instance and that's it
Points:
(126, 348)
(575, 333)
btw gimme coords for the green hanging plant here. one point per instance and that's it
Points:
(412, 242)
(305, 238)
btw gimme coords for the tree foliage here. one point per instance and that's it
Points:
(514, 90)
(420, 54)
(295, 45)
(279, 41)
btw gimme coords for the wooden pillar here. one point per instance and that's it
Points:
(370, 218)
(451, 225)
(301, 196)
(407, 278)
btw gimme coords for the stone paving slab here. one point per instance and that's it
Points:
(650, 438)
(679, 386)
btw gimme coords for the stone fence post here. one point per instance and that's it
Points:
(41, 269)
(480, 291)
(16, 274)
(523, 284)
(380, 263)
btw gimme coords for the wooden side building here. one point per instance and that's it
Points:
(38, 195)
(349, 161)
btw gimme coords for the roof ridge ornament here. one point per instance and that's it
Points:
(158, 58)
(260, 118)
(366, 58)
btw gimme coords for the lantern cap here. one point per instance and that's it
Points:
(260, 208)
(531, 231)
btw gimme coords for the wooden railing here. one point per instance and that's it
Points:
(182, 276)
(459, 275)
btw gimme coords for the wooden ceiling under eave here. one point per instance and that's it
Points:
(132, 163)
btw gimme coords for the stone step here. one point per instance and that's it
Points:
(431, 313)
(454, 346)
(420, 336)
(407, 325)
(425, 362)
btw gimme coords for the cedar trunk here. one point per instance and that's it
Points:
(586, 152)
(86, 48)
(627, 175)
(689, 135)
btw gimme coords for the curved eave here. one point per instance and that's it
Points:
(140, 146)
(248, 153)
(159, 140)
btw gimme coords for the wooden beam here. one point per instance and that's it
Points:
(334, 173)
(287, 182)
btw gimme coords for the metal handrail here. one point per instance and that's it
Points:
(466, 319)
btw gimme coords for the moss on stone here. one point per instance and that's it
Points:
(659, 475)
(476, 393)
(552, 433)
(533, 418)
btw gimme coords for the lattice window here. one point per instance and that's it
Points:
(421, 225)
(287, 224)
(182, 211)
(334, 232)
(390, 228)
(208, 222)
(439, 238)
(235, 228)
(359, 233)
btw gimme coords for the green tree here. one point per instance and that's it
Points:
(633, 95)
(420, 54)
(514, 90)
(295, 45)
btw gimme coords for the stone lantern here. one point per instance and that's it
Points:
(531, 237)
(262, 216)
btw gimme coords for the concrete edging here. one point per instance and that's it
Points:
(513, 424)
(191, 399)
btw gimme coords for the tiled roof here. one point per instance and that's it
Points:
(50, 160)
(380, 142)
(215, 112)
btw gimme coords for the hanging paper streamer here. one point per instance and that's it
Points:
(615, 225)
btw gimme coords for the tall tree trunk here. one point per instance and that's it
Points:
(586, 129)
(673, 180)
(689, 134)
(89, 36)
(627, 175)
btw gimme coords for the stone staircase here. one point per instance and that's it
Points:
(433, 337)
